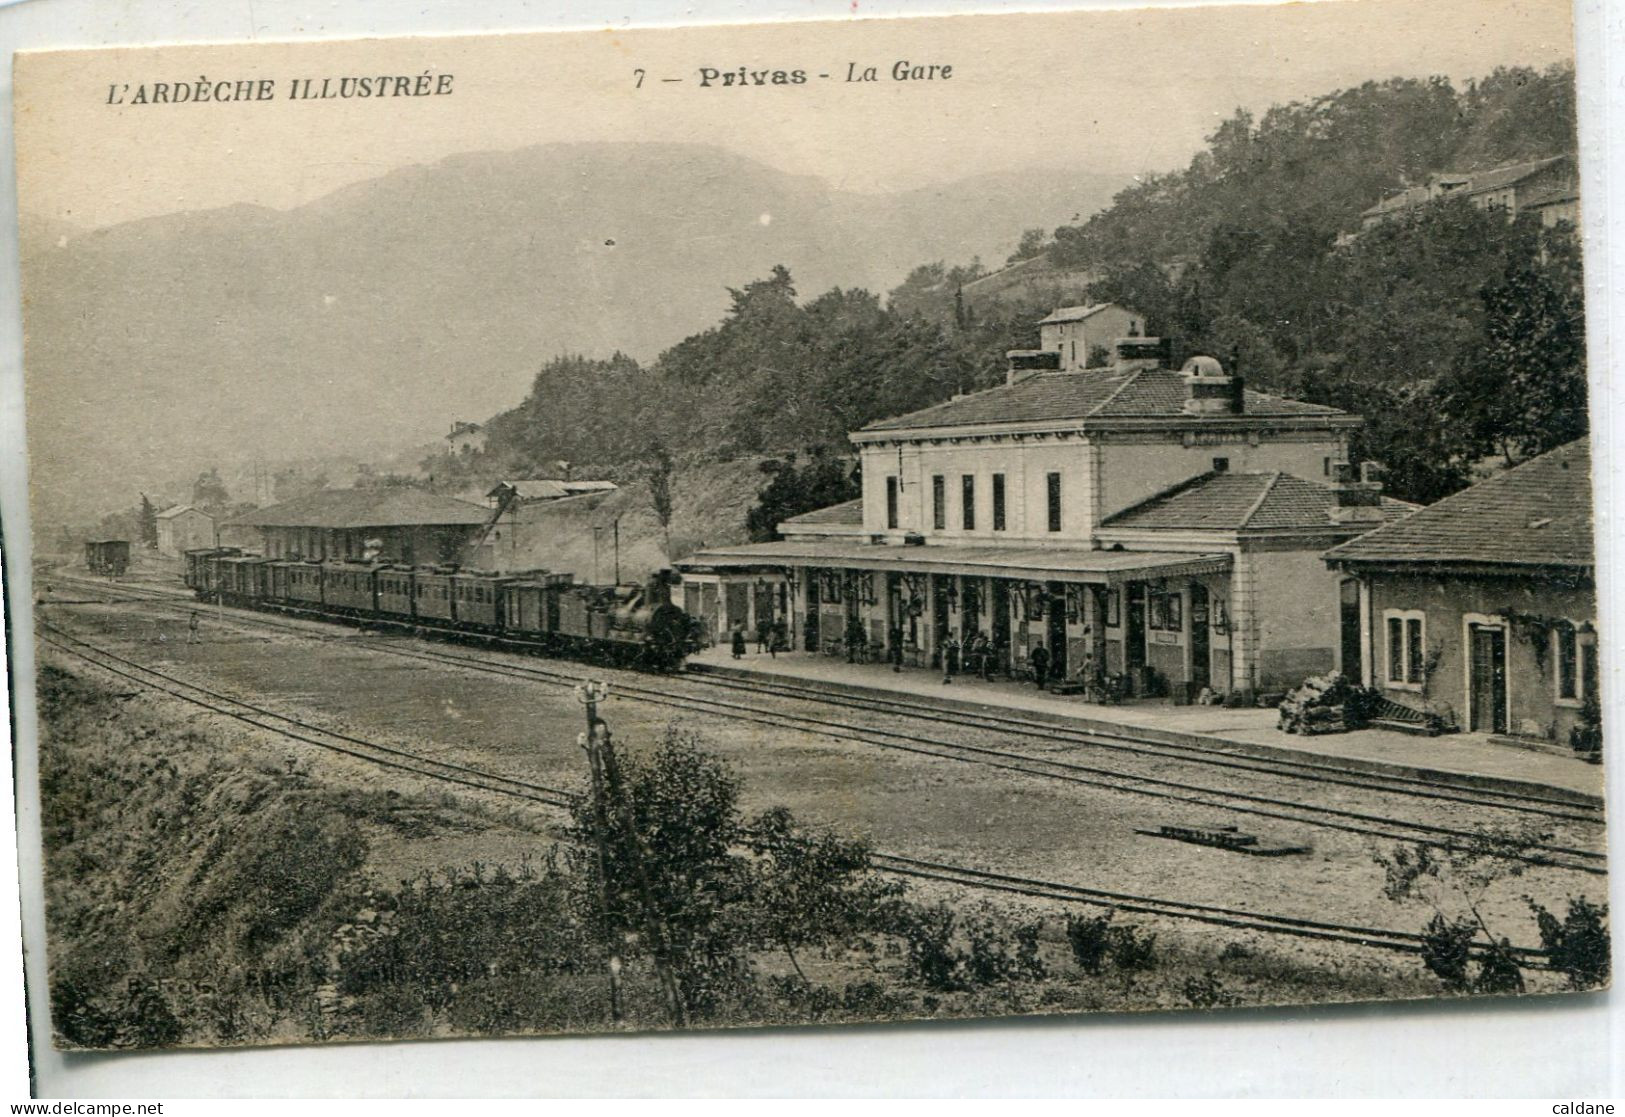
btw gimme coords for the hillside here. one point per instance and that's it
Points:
(374, 316)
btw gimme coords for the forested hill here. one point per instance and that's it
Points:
(1286, 184)
(1459, 335)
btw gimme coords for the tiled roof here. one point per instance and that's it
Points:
(171, 513)
(1500, 177)
(1537, 514)
(846, 514)
(1072, 313)
(548, 489)
(1241, 502)
(1495, 178)
(357, 508)
(1555, 193)
(1091, 394)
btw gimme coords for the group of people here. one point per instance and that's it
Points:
(977, 655)
(772, 637)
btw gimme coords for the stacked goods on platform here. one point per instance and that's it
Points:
(1326, 704)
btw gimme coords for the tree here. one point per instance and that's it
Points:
(660, 473)
(1454, 882)
(209, 492)
(823, 481)
(149, 523)
(686, 876)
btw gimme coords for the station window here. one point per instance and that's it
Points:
(1574, 654)
(1566, 654)
(1053, 495)
(967, 500)
(1406, 632)
(998, 502)
(939, 503)
(1221, 465)
(891, 502)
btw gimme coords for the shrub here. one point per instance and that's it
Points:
(998, 948)
(1498, 971)
(1089, 937)
(1131, 950)
(1207, 991)
(1578, 945)
(1447, 949)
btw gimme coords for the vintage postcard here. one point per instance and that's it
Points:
(811, 523)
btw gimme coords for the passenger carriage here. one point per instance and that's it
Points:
(348, 587)
(393, 585)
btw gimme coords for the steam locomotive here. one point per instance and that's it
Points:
(625, 625)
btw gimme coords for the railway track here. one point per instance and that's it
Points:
(1366, 824)
(402, 760)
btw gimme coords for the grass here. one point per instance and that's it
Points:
(201, 892)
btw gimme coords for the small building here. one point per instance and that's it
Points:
(1131, 518)
(1082, 335)
(1482, 607)
(466, 439)
(391, 524)
(184, 528)
(550, 524)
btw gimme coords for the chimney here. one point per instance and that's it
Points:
(1134, 353)
(1209, 391)
(1027, 363)
(1357, 493)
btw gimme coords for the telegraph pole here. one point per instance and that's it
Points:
(590, 694)
(617, 550)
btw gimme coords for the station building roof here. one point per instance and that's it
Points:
(1059, 564)
(1098, 396)
(1243, 502)
(366, 508)
(1537, 514)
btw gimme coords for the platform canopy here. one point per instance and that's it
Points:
(1033, 564)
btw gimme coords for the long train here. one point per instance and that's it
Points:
(626, 625)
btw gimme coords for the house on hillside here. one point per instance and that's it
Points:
(1548, 186)
(392, 524)
(1135, 519)
(465, 439)
(1076, 333)
(1483, 606)
(184, 528)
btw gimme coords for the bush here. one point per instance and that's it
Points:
(1089, 937)
(1131, 950)
(1447, 949)
(1578, 946)
(998, 948)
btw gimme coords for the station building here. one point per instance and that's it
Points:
(1482, 607)
(1160, 526)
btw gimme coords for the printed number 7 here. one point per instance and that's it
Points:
(639, 73)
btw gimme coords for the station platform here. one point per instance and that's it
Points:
(1457, 759)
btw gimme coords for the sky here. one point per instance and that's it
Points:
(1115, 91)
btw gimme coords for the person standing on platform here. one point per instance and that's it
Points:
(950, 659)
(192, 622)
(779, 641)
(1040, 661)
(739, 641)
(896, 650)
(764, 634)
